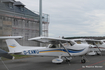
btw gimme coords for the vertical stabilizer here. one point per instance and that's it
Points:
(13, 46)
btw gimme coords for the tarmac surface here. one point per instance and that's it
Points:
(45, 63)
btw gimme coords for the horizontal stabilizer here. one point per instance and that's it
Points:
(10, 37)
(5, 54)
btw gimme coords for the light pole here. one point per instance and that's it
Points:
(40, 19)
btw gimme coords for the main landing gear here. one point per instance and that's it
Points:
(83, 61)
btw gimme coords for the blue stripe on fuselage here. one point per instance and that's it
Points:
(69, 50)
(73, 51)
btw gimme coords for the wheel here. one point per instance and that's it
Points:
(98, 54)
(83, 61)
(58, 63)
(67, 60)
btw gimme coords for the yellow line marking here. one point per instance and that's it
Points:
(50, 51)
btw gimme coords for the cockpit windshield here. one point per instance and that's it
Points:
(78, 41)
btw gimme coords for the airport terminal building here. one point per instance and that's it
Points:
(17, 20)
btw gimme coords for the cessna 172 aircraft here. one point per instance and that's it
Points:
(97, 45)
(58, 48)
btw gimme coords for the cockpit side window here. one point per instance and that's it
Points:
(66, 44)
(101, 42)
(90, 42)
(78, 42)
(54, 46)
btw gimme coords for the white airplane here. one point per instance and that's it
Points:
(97, 45)
(61, 48)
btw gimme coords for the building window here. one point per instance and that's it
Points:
(15, 22)
(11, 5)
(26, 36)
(0, 17)
(4, 18)
(21, 8)
(27, 24)
(16, 34)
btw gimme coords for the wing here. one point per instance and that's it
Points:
(49, 40)
(92, 41)
(10, 37)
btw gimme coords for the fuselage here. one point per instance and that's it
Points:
(75, 50)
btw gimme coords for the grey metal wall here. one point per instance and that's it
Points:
(10, 26)
(15, 22)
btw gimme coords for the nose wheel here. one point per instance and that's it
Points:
(83, 61)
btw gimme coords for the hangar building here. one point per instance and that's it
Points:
(17, 20)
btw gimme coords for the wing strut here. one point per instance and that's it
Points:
(65, 49)
(67, 52)
(97, 47)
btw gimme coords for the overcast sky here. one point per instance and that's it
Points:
(72, 17)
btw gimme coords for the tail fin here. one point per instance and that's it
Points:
(13, 46)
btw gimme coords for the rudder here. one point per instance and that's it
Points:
(13, 46)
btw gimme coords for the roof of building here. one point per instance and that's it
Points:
(8, 7)
(18, 3)
(7, 1)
